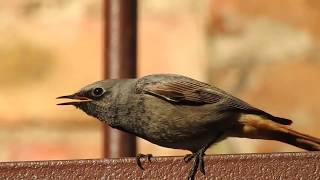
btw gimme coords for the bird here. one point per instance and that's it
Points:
(179, 112)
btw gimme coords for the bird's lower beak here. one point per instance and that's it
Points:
(74, 96)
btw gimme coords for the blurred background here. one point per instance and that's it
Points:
(266, 53)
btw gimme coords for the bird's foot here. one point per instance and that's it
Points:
(139, 156)
(197, 163)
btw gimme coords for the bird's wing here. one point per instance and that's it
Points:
(184, 92)
(197, 93)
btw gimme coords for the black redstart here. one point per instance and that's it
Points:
(179, 112)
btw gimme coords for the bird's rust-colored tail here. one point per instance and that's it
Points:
(256, 127)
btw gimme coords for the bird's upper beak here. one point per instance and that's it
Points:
(75, 96)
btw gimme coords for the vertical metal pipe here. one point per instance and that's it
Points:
(120, 17)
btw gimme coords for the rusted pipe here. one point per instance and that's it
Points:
(120, 17)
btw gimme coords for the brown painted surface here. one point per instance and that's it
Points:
(304, 165)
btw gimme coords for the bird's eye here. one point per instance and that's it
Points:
(97, 92)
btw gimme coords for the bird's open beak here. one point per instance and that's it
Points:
(80, 99)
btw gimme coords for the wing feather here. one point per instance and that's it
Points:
(195, 93)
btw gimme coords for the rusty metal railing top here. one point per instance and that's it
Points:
(300, 165)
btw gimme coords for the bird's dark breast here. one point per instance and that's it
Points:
(125, 114)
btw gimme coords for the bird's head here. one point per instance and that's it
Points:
(94, 99)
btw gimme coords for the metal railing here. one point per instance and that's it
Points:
(120, 17)
(304, 165)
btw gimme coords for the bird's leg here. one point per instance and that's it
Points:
(198, 162)
(139, 156)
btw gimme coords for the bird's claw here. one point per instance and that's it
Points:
(139, 156)
(188, 157)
